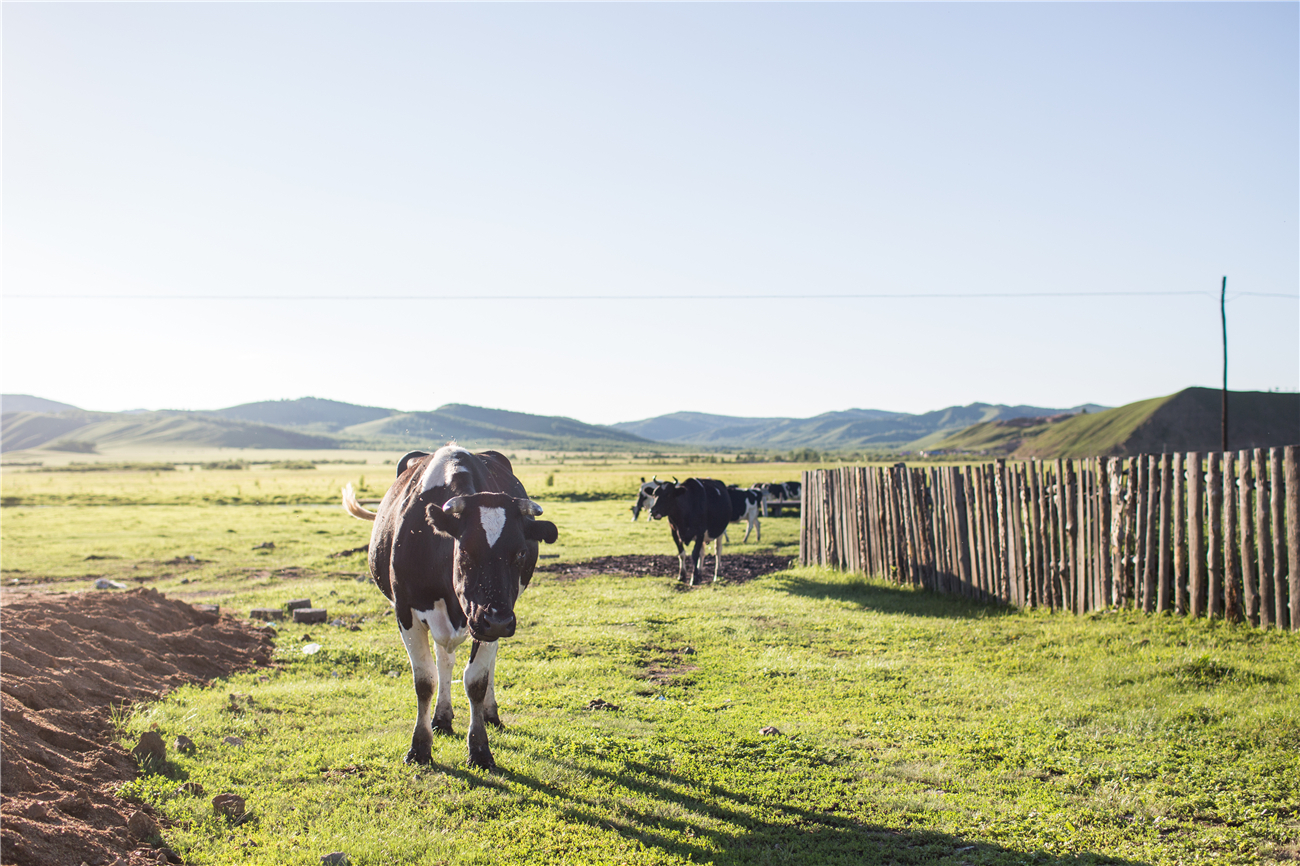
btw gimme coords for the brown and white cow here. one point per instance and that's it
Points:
(453, 545)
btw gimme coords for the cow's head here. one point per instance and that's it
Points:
(665, 496)
(496, 549)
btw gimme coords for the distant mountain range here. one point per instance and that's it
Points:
(308, 423)
(849, 429)
(1183, 421)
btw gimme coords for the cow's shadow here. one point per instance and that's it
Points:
(912, 601)
(681, 816)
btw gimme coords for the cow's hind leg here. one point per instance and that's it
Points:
(442, 714)
(478, 687)
(416, 639)
(697, 557)
(717, 558)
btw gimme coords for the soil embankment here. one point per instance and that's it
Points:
(65, 660)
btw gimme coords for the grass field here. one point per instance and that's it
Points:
(912, 728)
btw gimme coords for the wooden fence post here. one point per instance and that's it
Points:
(1179, 520)
(1231, 565)
(1249, 581)
(1264, 538)
(1079, 495)
(1140, 531)
(1214, 484)
(1165, 591)
(1115, 529)
(1292, 460)
(1277, 503)
(1195, 535)
(1151, 566)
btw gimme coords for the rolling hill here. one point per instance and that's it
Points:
(495, 427)
(1186, 421)
(28, 403)
(306, 413)
(23, 430)
(848, 429)
(310, 423)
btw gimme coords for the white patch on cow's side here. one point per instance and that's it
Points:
(494, 520)
(442, 467)
(440, 627)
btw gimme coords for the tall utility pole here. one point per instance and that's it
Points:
(1223, 314)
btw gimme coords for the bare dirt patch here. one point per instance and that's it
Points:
(67, 658)
(737, 568)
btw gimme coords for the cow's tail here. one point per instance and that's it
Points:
(351, 506)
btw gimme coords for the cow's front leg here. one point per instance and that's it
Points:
(442, 714)
(697, 559)
(478, 687)
(416, 639)
(490, 712)
(681, 556)
(717, 558)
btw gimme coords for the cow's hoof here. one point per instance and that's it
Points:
(480, 758)
(493, 719)
(442, 727)
(419, 755)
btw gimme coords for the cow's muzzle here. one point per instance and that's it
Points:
(490, 623)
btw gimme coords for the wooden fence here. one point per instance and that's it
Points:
(1194, 534)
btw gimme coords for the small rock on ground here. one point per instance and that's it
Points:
(233, 741)
(770, 731)
(151, 748)
(602, 704)
(190, 788)
(338, 858)
(141, 826)
(230, 805)
(183, 744)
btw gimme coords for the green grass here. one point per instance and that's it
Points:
(913, 728)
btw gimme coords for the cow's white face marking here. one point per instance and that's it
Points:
(441, 468)
(494, 520)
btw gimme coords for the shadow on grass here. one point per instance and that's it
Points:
(707, 822)
(894, 599)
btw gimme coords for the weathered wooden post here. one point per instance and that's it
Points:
(1179, 520)
(1195, 535)
(1164, 593)
(1214, 483)
(1151, 571)
(1292, 474)
(1264, 538)
(1231, 564)
(1277, 503)
(1249, 584)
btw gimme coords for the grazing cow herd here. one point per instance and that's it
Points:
(455, 542)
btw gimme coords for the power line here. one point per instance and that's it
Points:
(748, 297)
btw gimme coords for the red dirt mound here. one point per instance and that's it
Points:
(736, 568)
(66, 659)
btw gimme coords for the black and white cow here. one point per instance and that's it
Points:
(698, 510)
(645, 497)
(453, 545)
(745, 505)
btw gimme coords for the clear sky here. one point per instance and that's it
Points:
(211, 204)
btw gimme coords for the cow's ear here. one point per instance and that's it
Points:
(442, 520)
(541, 530)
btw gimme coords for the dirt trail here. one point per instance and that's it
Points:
(65, 659)
(736, 568)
